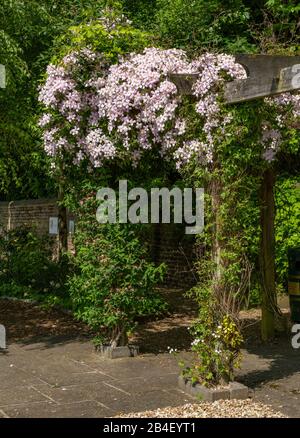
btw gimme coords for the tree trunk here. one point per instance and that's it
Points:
(62, 225)
(267, 256)
(216, 245)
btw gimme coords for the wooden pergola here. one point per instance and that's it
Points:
(267, 75)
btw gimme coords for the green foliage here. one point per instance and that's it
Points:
(216, 347)
(237, 176)
(199, 25)
(280, 26)
(287, 223)
(27, 32)
(234, 26)
(114, 282)
(216, 332)
(141, 12)
(121, 40)
(32, 25)
(23, 165)
(27, 269)
(254, 293)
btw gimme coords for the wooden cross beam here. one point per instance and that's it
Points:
(267, 75)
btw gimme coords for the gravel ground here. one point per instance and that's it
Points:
(218, 409)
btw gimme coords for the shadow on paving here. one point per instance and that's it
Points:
(149, 341)
(271, 362)
(161, 339)
(171, 330)
(30, 323)
(27, 322)
(45, 342)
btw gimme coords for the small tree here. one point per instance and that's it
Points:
(114, 282)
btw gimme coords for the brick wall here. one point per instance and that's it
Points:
(171, 246)
(34, 213)
(167, 242)
(31, 213)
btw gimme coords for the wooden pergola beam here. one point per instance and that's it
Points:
(267, 75)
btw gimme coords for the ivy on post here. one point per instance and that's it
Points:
(267, 76)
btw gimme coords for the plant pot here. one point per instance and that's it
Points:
(233, 390)
(118, 352)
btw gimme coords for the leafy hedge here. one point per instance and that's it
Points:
(28, 270)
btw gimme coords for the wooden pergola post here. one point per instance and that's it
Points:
(267, 255)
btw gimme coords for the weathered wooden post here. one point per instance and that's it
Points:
(267, 255)
(267, 75)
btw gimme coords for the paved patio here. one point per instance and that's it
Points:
(65, 378)
(68, 379)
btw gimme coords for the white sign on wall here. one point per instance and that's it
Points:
(53, 225)
(71, 227)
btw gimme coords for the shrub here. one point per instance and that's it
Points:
(287, 224)
(216, 345)
(114, 282)
(27, 268)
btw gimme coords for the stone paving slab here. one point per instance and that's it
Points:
(143, 384)
(150, 400)
(3, 414)
(272, 371)
(49, 379)
(81, 409)
(15, 395)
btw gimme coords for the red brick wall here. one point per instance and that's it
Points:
(170, 246)
(34, 213)
(167, 243)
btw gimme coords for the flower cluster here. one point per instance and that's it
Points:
(99, 113)
(213, 70)
(139, 102)
(71, 123)
(111, 21)
(133, 101)
(286, 107)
